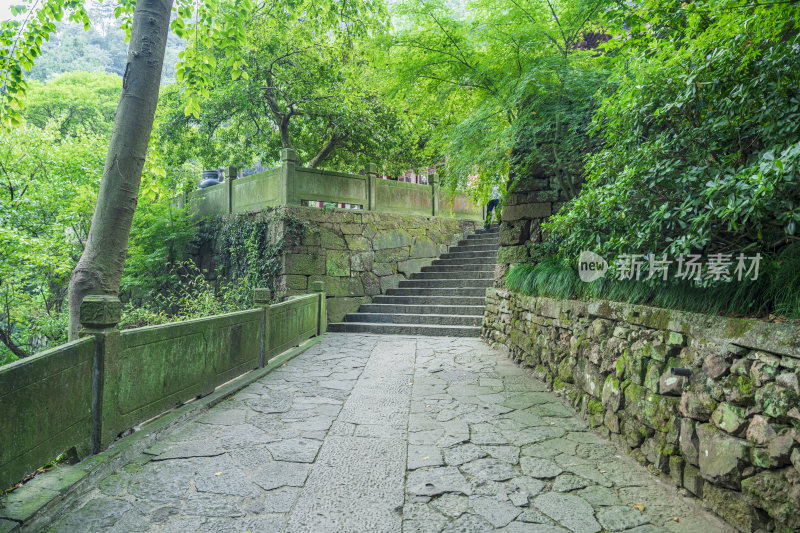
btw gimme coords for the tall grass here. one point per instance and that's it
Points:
(775, 292)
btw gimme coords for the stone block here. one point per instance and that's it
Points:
(789, 380)
(337, 264)
(550, 196)
(371, 283)
(527, 211)
(715, 366)
(390, 282)
(357, 243)
(776, 401)
(722, 457)
(732, 507)
(513, 254)
(363, 261)
(611, 421)
(383, 269)
(697, 405)
(738, 390)
(676, 465)
(391, 255)
(653, 376)
(730, 418)
(612, 393)
(780, 447)
(307, 264)
(689, 443)
(741, 367)
(671, 385)
(655, 411)
(424, 248)
(760, 431)
(330, 240)
(778, 493)
(692, 480)
(764, 368)
(391, 239)
(514, 233)
(296, 282)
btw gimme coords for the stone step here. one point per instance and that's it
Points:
(430, 300)
(437, 291)
(405, 329)
(402, 318)
(479, 239)
(446, 283)
(461, 267)
(471, 310)
(488, 260)
(470, 255)
(459, 273)
(474, 248)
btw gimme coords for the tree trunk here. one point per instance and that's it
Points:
(324, 152)
(99, 270)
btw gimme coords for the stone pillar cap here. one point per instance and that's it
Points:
(100, 311)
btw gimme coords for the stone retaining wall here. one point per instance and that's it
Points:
(360, 254)
(729, 432)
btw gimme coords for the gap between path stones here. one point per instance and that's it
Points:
(366, 433)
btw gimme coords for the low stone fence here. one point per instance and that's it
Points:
(291, 185)
(710, 403)
(82, 395)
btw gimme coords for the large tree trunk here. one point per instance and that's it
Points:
(99, 269)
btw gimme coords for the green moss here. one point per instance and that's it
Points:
(737, 327)
(594, 407)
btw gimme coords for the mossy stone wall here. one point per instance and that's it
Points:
(360, 254)
(729, 432)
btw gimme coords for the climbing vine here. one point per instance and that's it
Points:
(251, 248)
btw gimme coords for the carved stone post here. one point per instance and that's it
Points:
(433, 179)
(99, 317)
(319, 287)
(371, 170)
(261, 298)
(288, 165)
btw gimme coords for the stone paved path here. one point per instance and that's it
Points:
(379, 433)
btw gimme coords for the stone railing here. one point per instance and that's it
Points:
(82, 395)
(290, 185)
(710, 403)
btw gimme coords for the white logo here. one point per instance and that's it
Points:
(591, 266)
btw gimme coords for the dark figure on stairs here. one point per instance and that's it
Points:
(492, 207)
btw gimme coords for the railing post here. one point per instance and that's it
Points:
(230, 175)
(288, 165)
(261, 298)
(99, 316)
(433, 179)
(371, 170)
(322, 325)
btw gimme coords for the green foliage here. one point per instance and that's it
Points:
(476, 79)
(76, 103)
(47, 189)
(299, 81)
(776, 291)
(193, 297)
(700, 140)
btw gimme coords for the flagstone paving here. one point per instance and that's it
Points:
(369, 433)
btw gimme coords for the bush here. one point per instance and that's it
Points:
(700, 141)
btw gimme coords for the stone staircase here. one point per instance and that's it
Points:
(444, 299)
